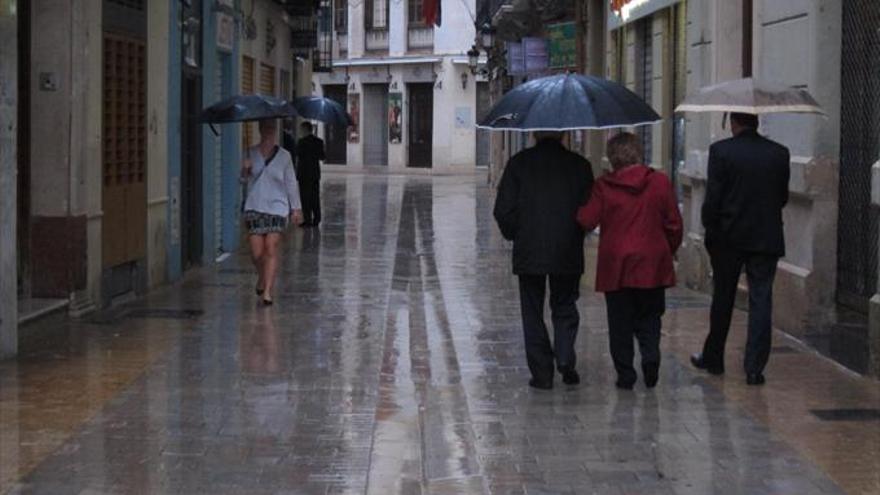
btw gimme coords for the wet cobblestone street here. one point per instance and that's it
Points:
(392, 363)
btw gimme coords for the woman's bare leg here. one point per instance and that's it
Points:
(270, 262)
(258, 255)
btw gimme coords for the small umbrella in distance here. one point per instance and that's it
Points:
(247, 108)
(322, 109)
(750, 96)
(567, 102)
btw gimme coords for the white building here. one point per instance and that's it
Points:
(406, 84)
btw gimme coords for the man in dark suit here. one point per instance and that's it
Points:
(538, 198)
(309, 152)
(746, 190)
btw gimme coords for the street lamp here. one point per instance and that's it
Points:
(473, 56)
(487, 36)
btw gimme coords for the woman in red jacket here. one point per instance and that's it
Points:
(641, 229)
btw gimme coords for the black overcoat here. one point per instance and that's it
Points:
(746, 189)
(309, 152)
(538, 197)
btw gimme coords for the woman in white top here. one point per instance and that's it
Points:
(272, 198)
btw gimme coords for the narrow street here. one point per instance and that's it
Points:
(392, 363)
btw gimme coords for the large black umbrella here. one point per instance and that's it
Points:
(322, 109)
(246, 108)
(567, 102)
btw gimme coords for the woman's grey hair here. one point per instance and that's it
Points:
(625, 149)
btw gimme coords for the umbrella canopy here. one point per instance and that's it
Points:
(567, 102)
(322, 109)
(750, 96)
(246, 108)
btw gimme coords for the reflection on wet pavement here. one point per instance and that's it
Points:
(392, 363)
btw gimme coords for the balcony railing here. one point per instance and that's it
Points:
(377, 40)
(420, 38)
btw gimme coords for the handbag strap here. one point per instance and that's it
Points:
(266, 164)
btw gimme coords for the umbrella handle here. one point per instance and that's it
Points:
(214, 129)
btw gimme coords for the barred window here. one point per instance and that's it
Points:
(414, 13)
(340, 16)
(376, 14)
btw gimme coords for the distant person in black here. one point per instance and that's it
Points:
(746, 190)
(309, 152)
(288, 140)
(538, 197)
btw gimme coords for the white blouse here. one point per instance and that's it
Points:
(273, 190)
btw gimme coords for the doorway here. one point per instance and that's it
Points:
(375, 134)
(23, 148)
(420, 124)
(191, 171)
(859, 149)
(335, 135)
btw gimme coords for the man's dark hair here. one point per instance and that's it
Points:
(306, 127)
(745, 120)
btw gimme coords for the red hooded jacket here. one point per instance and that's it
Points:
(641, 229)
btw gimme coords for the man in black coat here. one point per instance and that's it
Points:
(309, 152)
(746, 190)
(538, 197)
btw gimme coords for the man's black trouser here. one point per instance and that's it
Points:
(310, 195)
(727, 264)
(564, 293)
(634, 312)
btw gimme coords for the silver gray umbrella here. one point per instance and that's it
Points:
(750, 96)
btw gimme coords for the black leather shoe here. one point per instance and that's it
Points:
(651, 373)
(698, 362)
(624, 385)
(570, 376)
(755, 379)
(540, 385)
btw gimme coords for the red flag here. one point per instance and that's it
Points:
(432, 12)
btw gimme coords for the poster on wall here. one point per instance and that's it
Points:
(395, 118)
(562, 45)
(354, 109)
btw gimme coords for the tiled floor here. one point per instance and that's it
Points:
(392, 363)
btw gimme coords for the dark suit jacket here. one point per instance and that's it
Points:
(538, 198)
(309, 152)
(747, 187)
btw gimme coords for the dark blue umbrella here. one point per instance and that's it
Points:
(246, 108)
(567, 102)
(322, 109)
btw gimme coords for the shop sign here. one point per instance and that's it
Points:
(225, 28)
(354, 109)
(535, 51)
(516, 62)
(395, 118)
(562, 45)
(528, 57)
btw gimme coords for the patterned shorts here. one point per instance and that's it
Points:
(263, 223)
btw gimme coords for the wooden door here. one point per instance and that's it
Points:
(335, 135)
(124, 148)
(247, 88)
(421, 124)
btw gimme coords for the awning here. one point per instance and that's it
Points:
(632, 10)
(363, 62)
(463, 60)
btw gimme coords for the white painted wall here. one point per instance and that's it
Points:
(454, 147)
